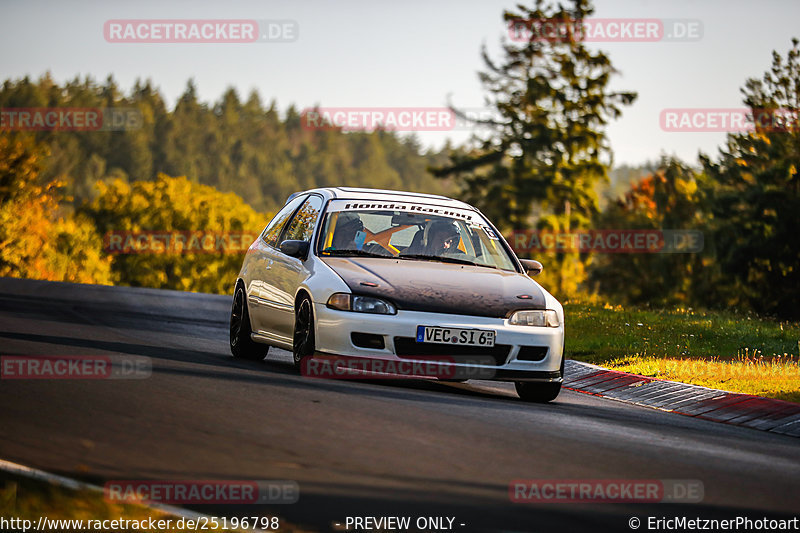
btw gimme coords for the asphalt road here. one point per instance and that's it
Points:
(377, 448)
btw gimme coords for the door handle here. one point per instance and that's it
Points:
(269, 265)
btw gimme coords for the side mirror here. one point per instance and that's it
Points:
(531, 267)
(298, 249)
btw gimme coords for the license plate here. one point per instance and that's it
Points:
(456, 336)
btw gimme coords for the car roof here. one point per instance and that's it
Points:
(357, 193)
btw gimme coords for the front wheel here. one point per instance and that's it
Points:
(537, 392)
(303, 345)
(242, 346)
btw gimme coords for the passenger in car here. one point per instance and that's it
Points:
(443, 238)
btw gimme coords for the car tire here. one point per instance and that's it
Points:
(539, 392)
(303, 339)
(242, 346)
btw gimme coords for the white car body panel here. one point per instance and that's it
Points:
(273, 281)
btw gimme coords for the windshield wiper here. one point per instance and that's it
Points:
(353, 252)
(444, 259)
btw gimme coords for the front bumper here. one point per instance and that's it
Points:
(334, 328)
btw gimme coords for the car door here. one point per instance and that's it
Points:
(262, 300)
(289, 272)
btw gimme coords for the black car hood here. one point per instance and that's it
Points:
(436, 287)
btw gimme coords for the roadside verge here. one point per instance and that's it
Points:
(766, 414)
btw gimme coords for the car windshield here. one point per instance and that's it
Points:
(401, 231)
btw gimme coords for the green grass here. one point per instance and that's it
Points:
(773, 378)
(731, 351)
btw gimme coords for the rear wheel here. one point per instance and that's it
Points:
(242, 346)
(303, 345)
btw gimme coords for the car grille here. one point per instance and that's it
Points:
(408, 347)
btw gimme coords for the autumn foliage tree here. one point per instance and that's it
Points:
(671, 198)
(174, 206)
(36, 241)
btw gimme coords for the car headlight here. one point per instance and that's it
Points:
(360, 304)
(547, 318)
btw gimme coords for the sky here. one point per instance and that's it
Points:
(354, 53)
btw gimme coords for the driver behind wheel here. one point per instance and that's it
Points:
(345, 236)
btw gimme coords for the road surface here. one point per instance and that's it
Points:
(376, 448)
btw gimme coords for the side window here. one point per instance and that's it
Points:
(275, 226)
(302, 225)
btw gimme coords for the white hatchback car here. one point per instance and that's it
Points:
(397, 277)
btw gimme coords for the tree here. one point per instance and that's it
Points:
(174, 206)
(34, 241)
(233, 145)
(548, 146)
(756, 197)
(671, 198)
